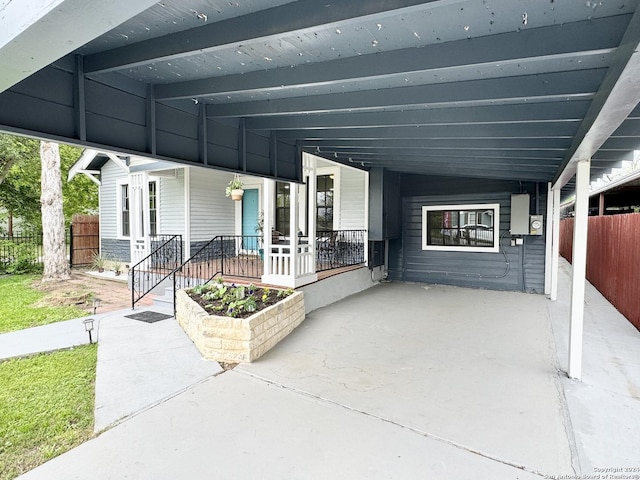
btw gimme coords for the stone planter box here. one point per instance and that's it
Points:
(238, 340)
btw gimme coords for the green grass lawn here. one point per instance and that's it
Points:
(17, 305)
(46, 407)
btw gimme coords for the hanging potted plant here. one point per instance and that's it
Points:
(234, 188)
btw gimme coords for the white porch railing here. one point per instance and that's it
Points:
(290, 270)
(305, 261)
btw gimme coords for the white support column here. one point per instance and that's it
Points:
(268, 198)
(187, 214)
(555, 245)
(287, 264)
(310, 163)
(366, 219)
(579, 268)
(548, 241)
(293, 228)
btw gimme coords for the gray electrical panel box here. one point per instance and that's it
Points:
(520, 214)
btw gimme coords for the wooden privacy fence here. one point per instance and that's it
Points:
(85, 239)
(613, 259)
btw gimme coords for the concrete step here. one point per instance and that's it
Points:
(165, 300)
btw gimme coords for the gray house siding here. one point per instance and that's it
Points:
(109, 175)
(523, 268)
(212, 213)
(170, 209)
(352, 199)
(110, 246)
(171, 215)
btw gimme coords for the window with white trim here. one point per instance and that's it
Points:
(124, 210)
(462, 228)
(125, 227)
(153, 208)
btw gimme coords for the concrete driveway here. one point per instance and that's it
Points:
(473, 370)
(401, 381)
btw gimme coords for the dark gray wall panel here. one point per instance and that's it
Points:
(222, 134)
(114, 103)
(257, 153)
(469, 269)
(176, 121)
(258, 164)
(16, 110)
(110, 131)
(115, 118)
(395, 259)
(49, 84)
(176, 146)
(257, 144)
(222, 156)
(421, 184)
(534, 252)
(408, 262)
(286, 166)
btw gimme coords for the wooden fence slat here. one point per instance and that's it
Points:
(86, 239)
(613, 259)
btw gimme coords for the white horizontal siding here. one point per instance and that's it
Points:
(212, 213)
(352, 199)
(171, 207)
(109, 175)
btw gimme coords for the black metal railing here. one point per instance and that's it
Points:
(339, 248)
(241, 256)
(164, 259)
(226, 255)
(23, 251)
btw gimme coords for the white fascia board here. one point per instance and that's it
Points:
(36, 33)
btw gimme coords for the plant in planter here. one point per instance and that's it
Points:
(235, 188)
(233, 324)
(235, 301)
(98, 262)
(117, 267)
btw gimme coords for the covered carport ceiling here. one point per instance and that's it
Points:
(498, 89)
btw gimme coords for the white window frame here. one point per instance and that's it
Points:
(335, 171)
(119, 184)
(460, 248)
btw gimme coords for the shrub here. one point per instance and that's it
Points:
(18, 257)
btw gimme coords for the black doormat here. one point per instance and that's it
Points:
(149, 317)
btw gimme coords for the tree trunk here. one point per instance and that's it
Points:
(54, 247)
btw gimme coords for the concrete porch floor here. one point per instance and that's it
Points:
(400, 381)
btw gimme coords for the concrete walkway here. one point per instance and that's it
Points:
(142, 364)
(400, 381)
(605, 406)
(47, 338)
(139, 364)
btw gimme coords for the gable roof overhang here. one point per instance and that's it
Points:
(495, 89)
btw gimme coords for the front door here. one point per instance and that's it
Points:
(250, 211)
(139, 216)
